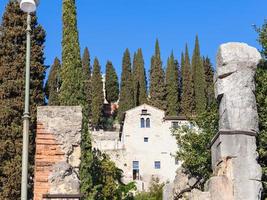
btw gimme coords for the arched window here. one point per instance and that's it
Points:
(142, 123)
(147, 122)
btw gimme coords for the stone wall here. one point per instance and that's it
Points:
(57, 157)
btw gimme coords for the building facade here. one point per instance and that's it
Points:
(145, 147)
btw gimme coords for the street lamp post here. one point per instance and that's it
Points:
(27, 6)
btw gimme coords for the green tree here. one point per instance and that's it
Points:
(72, 77)
(106, 178)
(53, 84)
(193, 145)
(198, 74)
(126, 88)
(157, 81)
(111, 84)
(139, 78)
(97, 94)
(12, 76)
(209, 89)
(87, 82)
(172, 87)
(261, 91)
(155, 191)
(187, 101)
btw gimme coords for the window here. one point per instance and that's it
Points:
(175, 125)
(146, 139)
(144, 112)
(142, 123)
(135, 164)
(147, 123)
(157, 164)
(136, 170)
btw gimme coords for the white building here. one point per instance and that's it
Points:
(145, 146)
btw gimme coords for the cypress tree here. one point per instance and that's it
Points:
(53, 84)
(72, 87)
(198, 80)
(111, 84)
(157, 81)
(209, 89)
(187, 103)
(12, 77)
(87, 82)
(126, 88)
(97, 94)
(140, 82)
(172, 87)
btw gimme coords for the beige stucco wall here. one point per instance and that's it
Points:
(161, 146)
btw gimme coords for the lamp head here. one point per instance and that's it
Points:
(28, 6)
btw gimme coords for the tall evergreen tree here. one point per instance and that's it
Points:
(209, 89)
(172, 87)
(72, 87)
(261, 91)
(97, 94)
(53, 84)
(87, 81)
(198, 80)
(111, 84)
(157, 81)
(12, 76)
(126, 89)
(139, 78)
(187, 103)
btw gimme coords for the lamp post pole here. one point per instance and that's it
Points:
(26, 115)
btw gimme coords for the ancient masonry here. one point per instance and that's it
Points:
(57, 158)
(236, 172)
(234, 151)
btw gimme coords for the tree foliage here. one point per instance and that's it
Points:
(97, 94)
(72, 77)
(155, 191)
(172, 87)
(261, 96)
(87, 71)
(111, 84)
(157, 88)
(139, 79)
(52, 87)
(12, 80)
(199, 81)
(187, 97)
(126, 89)
(106, 178)
(193, 145)
(209, 89)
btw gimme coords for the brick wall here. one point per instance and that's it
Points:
(48, 152)
(57, 153)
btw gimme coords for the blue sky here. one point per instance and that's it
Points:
(107, 27)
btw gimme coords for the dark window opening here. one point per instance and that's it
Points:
(142, 123)
(136, 175)
(175, 125)
(147, 122)
(144, 112)
(157, 164)
(146, 139)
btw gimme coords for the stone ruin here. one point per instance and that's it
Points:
(58, 152)
(236, 172)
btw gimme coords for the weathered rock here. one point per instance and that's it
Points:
(234, 155)
(236, 66)
(63, 180)
(58, 151)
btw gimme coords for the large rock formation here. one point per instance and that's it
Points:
(58, 151)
